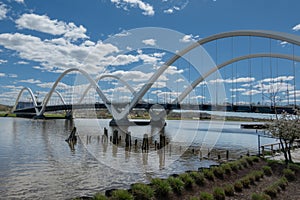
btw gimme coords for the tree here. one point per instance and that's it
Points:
(287, 128)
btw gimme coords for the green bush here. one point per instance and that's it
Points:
(161, 187)
(99, 196)
(206, 196)
(219, 193)
(229, 190)
(227, 169)
(235, 166)
(282, 183)
(142, 191)
(198, 178)
(218, 172)
(257, 175)
(262, 196)
(249, 160)
(267, 170)
(176, 184)
(208, 174)
(246, 182)
(271, 191)
(194, 198)
(294, 167)
(244, 162)
(255, 159)
(121, 195)
(251, 178)
(289, 174)
(238, 186)
(187, 179)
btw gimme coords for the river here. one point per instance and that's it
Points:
(37, 163)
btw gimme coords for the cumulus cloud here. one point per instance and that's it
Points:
(19, 1)
(32, 81)
(2, 61)
(150, 42)
(3, 11)
(126, 4)
(43, 23)
(188, 38)
(296, 28)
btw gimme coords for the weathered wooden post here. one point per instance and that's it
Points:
(145, 145)
(227, 154)
(155, 143)
(128, 139)
(200, 155)
(263, 151)
(115, 137)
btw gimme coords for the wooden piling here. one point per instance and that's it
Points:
(145, 145)
(115, 137)
(128, 139)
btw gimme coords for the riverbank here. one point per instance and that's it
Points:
(247, 178)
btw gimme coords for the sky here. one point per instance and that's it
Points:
(131, 39)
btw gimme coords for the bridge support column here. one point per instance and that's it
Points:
(69, 114)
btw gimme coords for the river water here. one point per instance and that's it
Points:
(37, 163)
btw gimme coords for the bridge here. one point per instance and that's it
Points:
(120, 110)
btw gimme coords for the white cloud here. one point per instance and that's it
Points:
(2, 61)
(44, 24)
(33, 81)
(150, 42)
(22, 63)
(3, 11)
(169, 11)
(20, 1)
(2, 74)
(188, 38)
(146, 7)
(297, 27)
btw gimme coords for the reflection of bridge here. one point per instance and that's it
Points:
(137, 102)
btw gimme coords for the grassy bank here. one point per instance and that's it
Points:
(251, 178)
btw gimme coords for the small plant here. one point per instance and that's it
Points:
(187, 179)
(262, 196)
(176, 184)
(294, 167)
(267, 170)
(206, 196)
(229, 190)
(142, 191)
(282, 183)
(255, 159)
(218, 172)
(208, 174)
(121, 195)
(289, 174)
(245, 181)
(99, 196)
(198, 178)
(249, 160)
(161, 187)
(271, 191)
(258, 175)
(219, 193)
(234, 166)
(226, 167)
(251, 178)
(238, 186)
(193, 198)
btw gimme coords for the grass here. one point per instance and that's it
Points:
(208, 174)
(142, 191)
(267, 170)
(198, 178)
(99, 196)
(161, 187)
(121, 195)
(176, 184)
(218, 172)
(218, 193)
(187, 180)
(238, 186)
(206, 196)
(289, 174)
(229, 190)
(262, 196)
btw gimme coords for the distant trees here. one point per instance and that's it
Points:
(286, 127)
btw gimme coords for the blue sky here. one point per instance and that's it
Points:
(41, 39)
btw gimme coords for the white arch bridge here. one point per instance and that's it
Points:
(38, 109)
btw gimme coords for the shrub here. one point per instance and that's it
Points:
(206, 196)
(208, 174)
(229, 190)
(198, 178)
(282, 183)
(121, 195)
(161, 187)
(245, 182)
(267, 170)
(255, 159)
(193, 198)
(176, 184)
(249, 160)
(234, 166)
(99, 196)
(251, 178)
(262, 196)
(226, 167)
(289, 174)
(238, 186)
(218, 172)
(294, 167)
(244, 162)
(271, 191)
(219, 193)
(142, 191)
(257, 175)
(187, 179)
